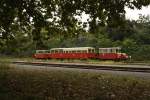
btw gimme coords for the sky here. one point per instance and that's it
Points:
(130, 14)
(134, 14)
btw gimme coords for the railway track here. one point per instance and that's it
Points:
(88, 66)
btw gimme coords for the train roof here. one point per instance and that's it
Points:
(73, 48)
(111, 48)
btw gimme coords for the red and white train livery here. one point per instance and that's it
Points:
(113, 53)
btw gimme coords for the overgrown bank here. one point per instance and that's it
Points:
(25, 84)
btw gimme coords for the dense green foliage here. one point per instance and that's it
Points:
(44, 84)
(27, 25)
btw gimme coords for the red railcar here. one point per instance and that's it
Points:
(73, 53)
(113, 53)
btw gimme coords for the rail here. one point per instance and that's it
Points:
(88, 66)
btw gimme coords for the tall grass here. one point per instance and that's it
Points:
(43, 84)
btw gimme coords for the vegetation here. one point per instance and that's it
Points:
(41, 84)
(27, 25)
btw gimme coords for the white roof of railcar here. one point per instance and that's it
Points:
(111, 48)
(73, 48)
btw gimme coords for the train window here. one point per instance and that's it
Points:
(40, 52)
(92, 50)
(82, 51)
(106, 51)
(61, 51)
(53, 51)
(110, 50)
(78, 51)
(57, 51)
(117, 51)
(89, 50)
(114, 50)
(85, 51)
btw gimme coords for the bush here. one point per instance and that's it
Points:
(138, 52)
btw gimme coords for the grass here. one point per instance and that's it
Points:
(25, 84)
(9, 59)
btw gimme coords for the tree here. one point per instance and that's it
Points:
(35, 13)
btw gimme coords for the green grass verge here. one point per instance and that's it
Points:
(9, 59)
(26, 84)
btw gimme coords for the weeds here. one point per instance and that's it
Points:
(18, 84)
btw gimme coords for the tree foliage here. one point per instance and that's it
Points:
(42, 24)
(63, 12)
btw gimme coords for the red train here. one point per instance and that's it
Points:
(113, 53)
